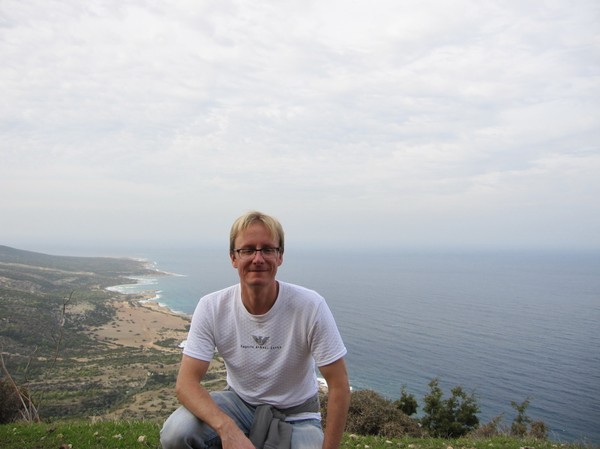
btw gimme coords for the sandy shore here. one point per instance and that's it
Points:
(140, 322)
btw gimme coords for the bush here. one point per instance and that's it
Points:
(450, 418)
(372, 414)
(539, 430)
(519, 424)
(407, 403)
(522, 424)
(521, 427)
(11, 406)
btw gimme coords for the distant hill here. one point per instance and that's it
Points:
(107, 266)
(32, 272)
(34, 287)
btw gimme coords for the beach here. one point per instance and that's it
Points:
(142, 322)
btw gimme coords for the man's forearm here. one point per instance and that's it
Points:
(337, 411)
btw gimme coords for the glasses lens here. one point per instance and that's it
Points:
(247, 253)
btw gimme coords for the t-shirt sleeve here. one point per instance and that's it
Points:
(200, 342)
(326, 342)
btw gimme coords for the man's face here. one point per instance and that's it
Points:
(257, 270)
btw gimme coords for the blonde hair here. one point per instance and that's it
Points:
(243, 222)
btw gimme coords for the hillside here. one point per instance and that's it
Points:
(34, 287)
(83, 350)
(31, 271)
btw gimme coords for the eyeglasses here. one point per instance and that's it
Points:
(249, 253)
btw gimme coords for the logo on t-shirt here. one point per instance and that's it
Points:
(260, 341)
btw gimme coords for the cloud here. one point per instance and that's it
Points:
(400, 117)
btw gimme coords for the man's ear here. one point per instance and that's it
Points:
(233, 259)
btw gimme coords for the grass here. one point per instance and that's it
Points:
(80, 435)
(145, 434)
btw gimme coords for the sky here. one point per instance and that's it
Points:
(387, 124)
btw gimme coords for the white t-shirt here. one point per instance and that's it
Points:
(270, 358)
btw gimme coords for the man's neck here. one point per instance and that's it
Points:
(259, 300)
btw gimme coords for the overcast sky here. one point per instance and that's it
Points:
(437, 124)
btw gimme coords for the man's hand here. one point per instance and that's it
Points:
(233, 438)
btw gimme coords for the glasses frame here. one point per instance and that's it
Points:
(250, 253)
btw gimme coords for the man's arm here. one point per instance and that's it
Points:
(338, 402)
(196, 399)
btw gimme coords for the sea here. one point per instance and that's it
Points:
(507, 326)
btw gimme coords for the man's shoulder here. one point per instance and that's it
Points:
(299, 291)
(220, 295)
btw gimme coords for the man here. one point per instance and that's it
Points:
(270, 335)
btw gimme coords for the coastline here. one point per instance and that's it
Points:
(141, 320)
(143, 288)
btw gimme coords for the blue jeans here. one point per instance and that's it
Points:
(182, 430)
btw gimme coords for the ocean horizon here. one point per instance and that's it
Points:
(508, 326)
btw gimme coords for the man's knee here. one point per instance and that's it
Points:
(307, 434)
(169, 436)
(183, 430)
(179, 430)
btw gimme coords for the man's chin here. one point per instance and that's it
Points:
(258, 280)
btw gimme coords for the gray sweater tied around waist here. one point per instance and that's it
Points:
(269, 429)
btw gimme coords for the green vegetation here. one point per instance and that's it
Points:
(407, 402)
(453, 417)
(125, 434)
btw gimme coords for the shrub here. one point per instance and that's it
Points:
(519, 424)
(407, 403)
(372, 414)
(12, 402)
(522, 424)
(489, 430)
(450, 418)
(9, 402)
(539, 430)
